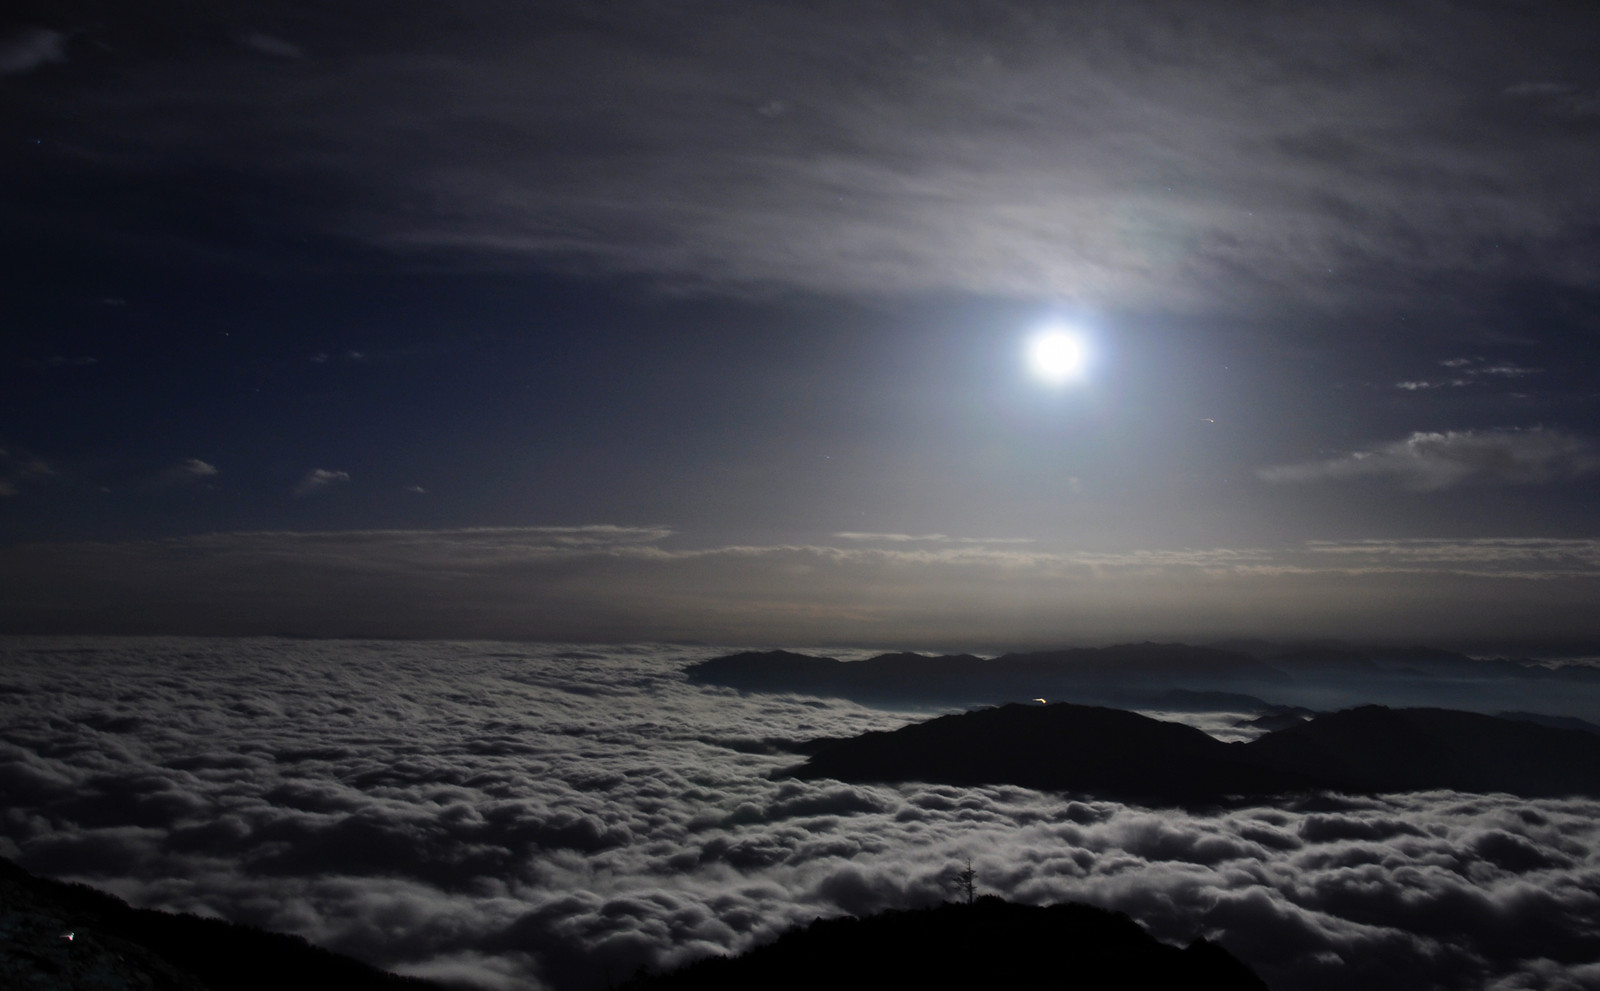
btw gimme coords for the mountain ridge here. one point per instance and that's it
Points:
(1238, 677)
(1119, 754)
(1121, 672)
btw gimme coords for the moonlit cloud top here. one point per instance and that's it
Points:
(516, 817)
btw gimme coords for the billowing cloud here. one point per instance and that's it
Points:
(319, 479)
(31, 49)
(611, 582)
(1428, 461)
(548, 817)
(1148, 154)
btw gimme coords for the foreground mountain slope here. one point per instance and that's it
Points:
(1065, 747)
(115, 946)
(988, 944)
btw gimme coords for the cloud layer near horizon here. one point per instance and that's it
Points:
(614, 583)
(517, 817)
(1153, 154)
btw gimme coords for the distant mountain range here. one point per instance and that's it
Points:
(56, 936)
(1119, 754)
(988, 944)
(1175, 677)
(1123, 674)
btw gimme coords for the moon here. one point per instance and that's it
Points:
(1056, 356)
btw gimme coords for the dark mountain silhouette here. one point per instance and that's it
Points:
(1066, 747)
(1062, 747)
(1324, 660)
(1429, 662)
(987, 944)
(1150, 674)
(115, 946)
(1377, 749)
(1278, 717)
(1559, 722)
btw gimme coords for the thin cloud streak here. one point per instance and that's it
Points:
(1467, 372)
(932, 538)
(276, 47)
(611, 583)
(1428, 461)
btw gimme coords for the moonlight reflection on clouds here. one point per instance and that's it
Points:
(520, 817)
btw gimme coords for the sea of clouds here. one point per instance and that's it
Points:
(516, 816)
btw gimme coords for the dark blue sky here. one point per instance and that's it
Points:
(710, 320)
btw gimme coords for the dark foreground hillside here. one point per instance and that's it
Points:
(990, 944)
(115, 947)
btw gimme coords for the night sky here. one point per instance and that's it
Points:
(703, 320)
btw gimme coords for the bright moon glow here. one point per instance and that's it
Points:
(1056, 356)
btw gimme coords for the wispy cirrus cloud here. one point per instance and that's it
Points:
(1559, 99)
(1468, 371)
(1154, 154)
(1428, 461)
